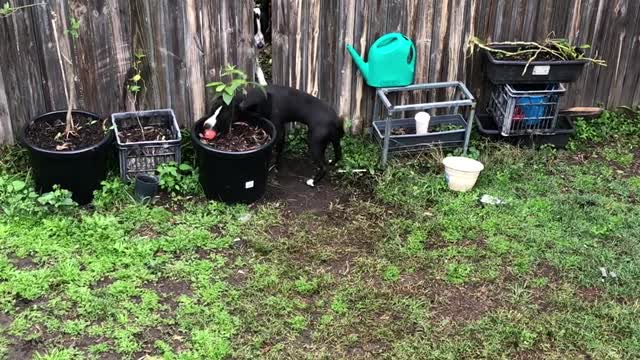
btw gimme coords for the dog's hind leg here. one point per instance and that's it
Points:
(337, 151)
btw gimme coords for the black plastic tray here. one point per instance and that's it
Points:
(559, 138)
(510, 72)
(413, 142)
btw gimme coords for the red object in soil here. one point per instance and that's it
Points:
(209, 134)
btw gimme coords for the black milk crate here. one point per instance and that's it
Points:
(144, 157)
(525, 108)
(410, 141)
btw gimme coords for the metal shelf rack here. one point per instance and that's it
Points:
(452, 101)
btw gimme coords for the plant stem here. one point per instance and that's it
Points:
(69, 89)
(14, 10)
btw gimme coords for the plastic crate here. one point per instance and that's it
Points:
(525, 108)
(144, 157)
(559, 137)
(538, 72)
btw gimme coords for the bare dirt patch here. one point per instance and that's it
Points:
(287, 185)
(463, 303)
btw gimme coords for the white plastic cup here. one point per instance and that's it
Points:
(422, 123)
(461, 173)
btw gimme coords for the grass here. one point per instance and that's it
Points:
(403, 269)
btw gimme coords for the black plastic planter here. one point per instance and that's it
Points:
(510, 71)
(559, 137)
(79, 171)
(146, 187)
(234, 177)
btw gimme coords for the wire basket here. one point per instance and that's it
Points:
(525, 109)
(144, 157)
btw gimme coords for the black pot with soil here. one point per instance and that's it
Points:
(78, 162)
(234, 167)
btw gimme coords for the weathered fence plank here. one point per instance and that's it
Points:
(6, 132)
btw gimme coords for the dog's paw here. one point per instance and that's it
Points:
(311, 183)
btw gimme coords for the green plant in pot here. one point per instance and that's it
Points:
(145, 139)
(68, 147)
(233, 148)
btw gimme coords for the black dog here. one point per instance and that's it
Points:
(282, 105)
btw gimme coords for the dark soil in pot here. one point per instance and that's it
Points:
(242, 137)
(48, 134)
(80, 170)
(155, 132)
(235, 176)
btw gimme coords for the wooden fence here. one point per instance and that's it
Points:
(188, 41)
(309, 38)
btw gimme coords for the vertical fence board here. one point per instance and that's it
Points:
(6, 132)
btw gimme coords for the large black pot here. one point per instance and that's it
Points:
(234, 177)
(79, 171)
(538, 72)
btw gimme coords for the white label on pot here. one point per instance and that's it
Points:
(541, 70)
(248, 185)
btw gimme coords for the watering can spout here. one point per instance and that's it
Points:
(363, 66)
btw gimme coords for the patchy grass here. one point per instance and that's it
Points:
(402, 268)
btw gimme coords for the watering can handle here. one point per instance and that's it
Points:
(411, 58)
(387, 41)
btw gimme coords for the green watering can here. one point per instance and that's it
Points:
(392, 61)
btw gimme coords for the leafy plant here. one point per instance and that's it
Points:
(178, 179)
(305, 286)
(16, 196)
(391, 273)
(458, 273)
(136, 85)
(8, 10)
(237, 82)
(358, 154)
(57, 198)
(74, 28)
(112, 192)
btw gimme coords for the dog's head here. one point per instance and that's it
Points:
(257, 101)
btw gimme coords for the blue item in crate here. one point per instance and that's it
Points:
(532, 113)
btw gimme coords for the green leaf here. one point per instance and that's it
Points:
(137, 78)
(185, 167)
(214, 84)
(220, 87)
(227, 98)
(229, 91)
(18, 185)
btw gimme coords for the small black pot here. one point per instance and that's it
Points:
(79, 171)
(146, 187)
(234, 177)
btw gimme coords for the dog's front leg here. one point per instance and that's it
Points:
(317, 155)
(280, 141)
